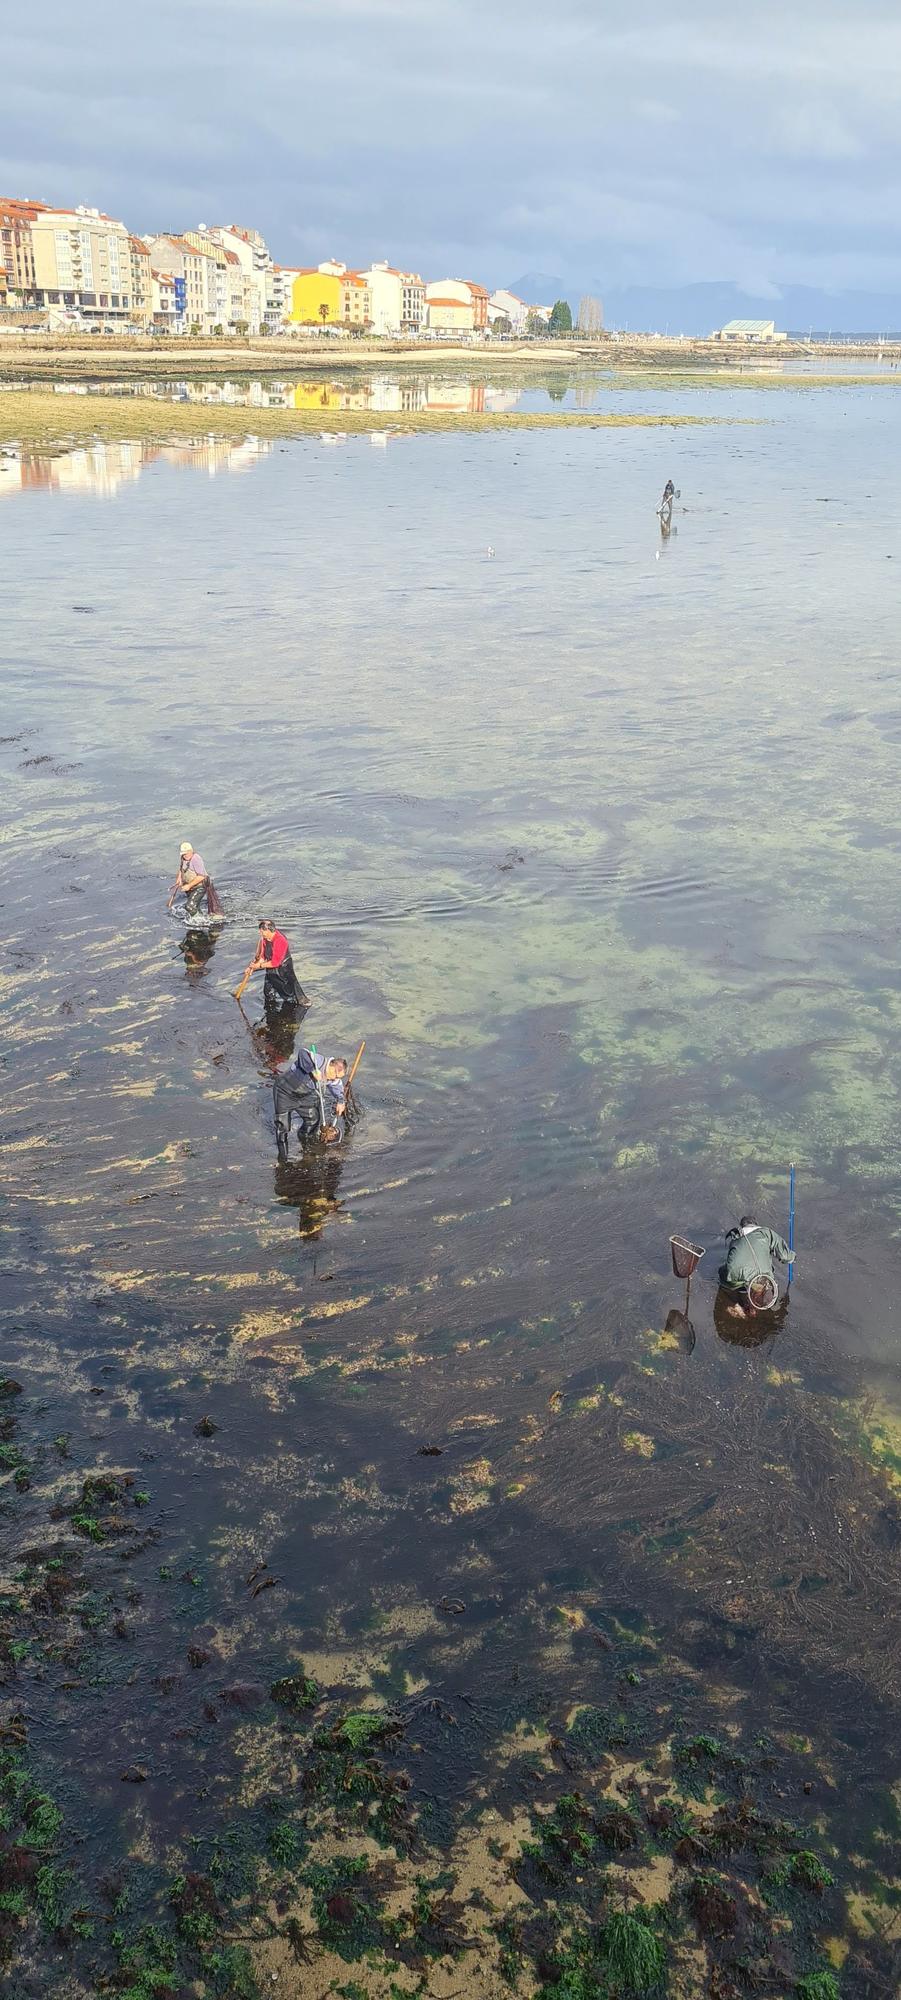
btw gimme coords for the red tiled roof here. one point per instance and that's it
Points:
(462, 304)
(17, 210)
(187, 249)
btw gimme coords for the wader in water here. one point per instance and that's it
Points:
(748, 1271)
(294, 1096)
(297, 1094)
(282, 984)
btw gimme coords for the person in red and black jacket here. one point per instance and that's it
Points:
(274, 956)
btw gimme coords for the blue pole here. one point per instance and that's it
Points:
(791, 1215)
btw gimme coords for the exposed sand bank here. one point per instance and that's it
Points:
(37, 356)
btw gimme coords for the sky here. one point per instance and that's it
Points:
(611, 145)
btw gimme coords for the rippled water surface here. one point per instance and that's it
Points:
(594, 837)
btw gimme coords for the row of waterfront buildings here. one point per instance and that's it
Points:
(69, 267)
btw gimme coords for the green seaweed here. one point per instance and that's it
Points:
(818, 1986)
(295, 1691)
(633, 1956)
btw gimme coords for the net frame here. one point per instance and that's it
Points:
(686, 1256)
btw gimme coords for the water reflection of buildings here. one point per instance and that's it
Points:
(400, 395)
(102, 469)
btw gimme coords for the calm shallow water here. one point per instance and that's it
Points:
(595, 839)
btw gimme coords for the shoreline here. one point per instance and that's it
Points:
(37, 358)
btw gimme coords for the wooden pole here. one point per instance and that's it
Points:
(355, 1065)
(239, 989)
(791, 1217)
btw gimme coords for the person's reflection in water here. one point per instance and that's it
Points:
(310, 1184)
(197, 948)
(274, 1037)
(277, 1033)
(751, 1330)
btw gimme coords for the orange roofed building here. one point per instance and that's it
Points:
(356, 301)
(461, 292)
(16, 249)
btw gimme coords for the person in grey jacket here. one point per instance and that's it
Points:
(748, 1274)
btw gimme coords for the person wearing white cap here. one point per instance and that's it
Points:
(192, 880)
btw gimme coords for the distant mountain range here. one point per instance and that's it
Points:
(701, 309)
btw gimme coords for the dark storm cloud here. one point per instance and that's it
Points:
(485, 136)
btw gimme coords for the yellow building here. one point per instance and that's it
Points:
(316, 299)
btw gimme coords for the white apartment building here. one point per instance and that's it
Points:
(82, 261)
(163, 299)
(256, 263)
(506, 305)
(397, 299)
(196, 275)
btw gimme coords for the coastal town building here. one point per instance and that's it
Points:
(447, 312)
(197, 269)
(65, 266)
(82, 261)
(278, 289)
(398, 302)
(479, 295)
(356, 302)
(447, 292)
(167, 300)
(506, 305)
(245, 292)
(141, 283)
(224, 302)
(16, 249)
(750, 329)
(316, 298)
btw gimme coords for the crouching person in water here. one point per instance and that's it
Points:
(313, 1092)
(273, 956)
(748, 1277)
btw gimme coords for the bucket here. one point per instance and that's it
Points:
(686, 1256)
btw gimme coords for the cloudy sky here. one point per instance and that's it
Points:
(606, 143)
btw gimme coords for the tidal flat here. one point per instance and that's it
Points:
(388, 1605)
(33, 418)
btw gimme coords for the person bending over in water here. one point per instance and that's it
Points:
(274, 957)
(747, 1275)
(313, 1092)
